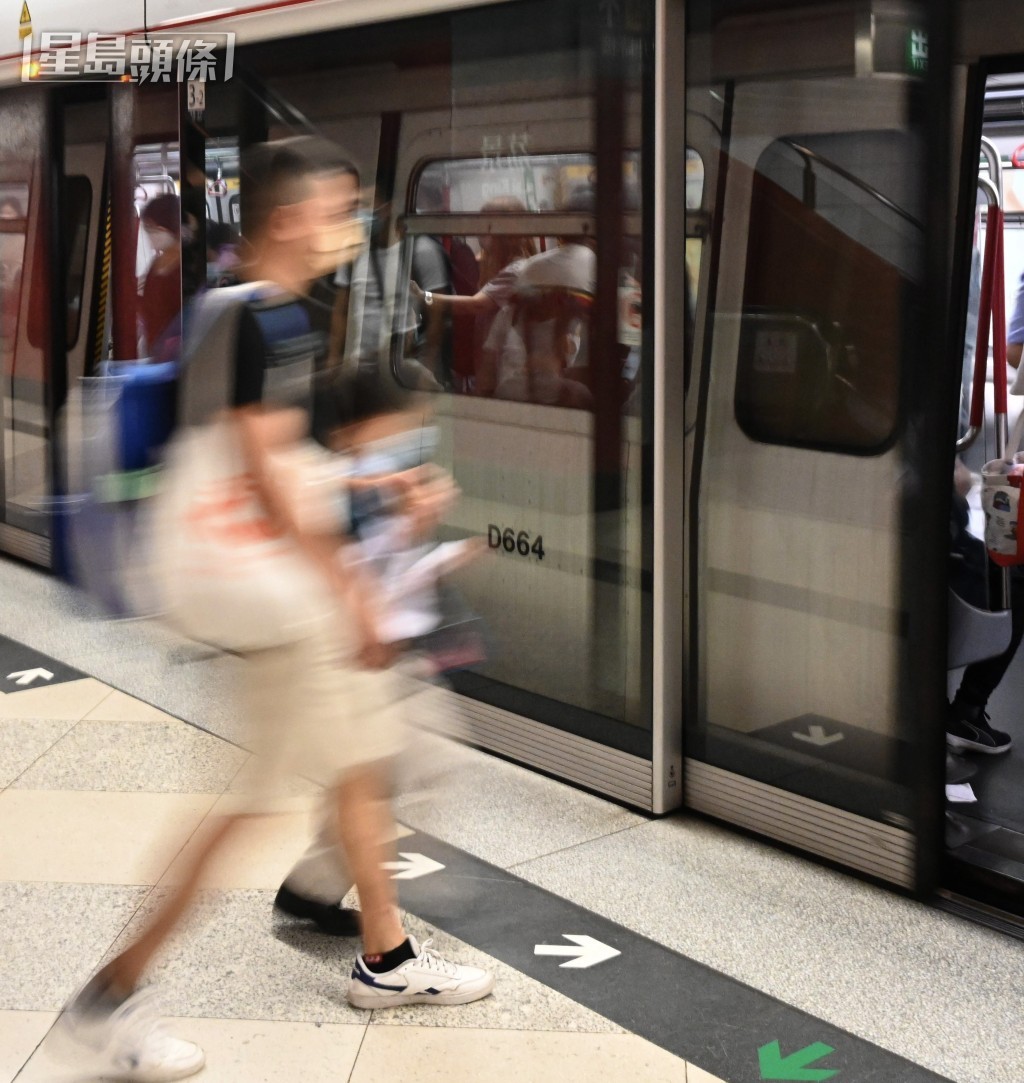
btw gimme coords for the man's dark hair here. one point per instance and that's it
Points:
(328, 158)
(272, 175)
(278, 174)
(164, 212)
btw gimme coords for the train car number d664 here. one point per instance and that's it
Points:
(515, 541)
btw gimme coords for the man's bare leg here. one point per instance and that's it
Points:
(366, 830)
(125, 972)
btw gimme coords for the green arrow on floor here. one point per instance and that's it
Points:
(794, 1068)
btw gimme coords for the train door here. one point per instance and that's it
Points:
(519, 132)
(50, 194)
(85, 150)
(26, 309)
(816, 600)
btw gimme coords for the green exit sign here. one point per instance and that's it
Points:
(917, 52)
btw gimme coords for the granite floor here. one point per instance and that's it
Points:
(107, 779)
(103, 795)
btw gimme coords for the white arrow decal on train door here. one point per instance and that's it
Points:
(817, 737)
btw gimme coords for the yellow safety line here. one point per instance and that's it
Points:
(101, 301)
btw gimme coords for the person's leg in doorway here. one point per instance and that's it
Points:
(968, 728)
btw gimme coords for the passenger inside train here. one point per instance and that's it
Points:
(550, 329)
(501, 258)
(983, 793)
(373, 311)
(160, 295)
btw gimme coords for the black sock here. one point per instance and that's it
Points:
(388, 960)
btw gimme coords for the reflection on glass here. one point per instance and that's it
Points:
(694, 180)
(495, 313)
(78, 206)
(806, 486)
(13, 213)
(24, 316)
(159, 249)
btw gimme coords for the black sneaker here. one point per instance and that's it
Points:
(967, 729)
(331, 918)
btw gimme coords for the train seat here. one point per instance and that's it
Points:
(975, 634)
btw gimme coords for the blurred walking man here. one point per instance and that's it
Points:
(325, 706)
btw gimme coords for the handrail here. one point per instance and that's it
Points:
(990, 153)
(992, 308)
(977, 415)
(813, 156)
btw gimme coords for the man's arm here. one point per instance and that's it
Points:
(261, 432)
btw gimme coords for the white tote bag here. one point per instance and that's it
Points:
(220, 571)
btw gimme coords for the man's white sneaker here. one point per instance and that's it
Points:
(427, 979)
(129, 1043)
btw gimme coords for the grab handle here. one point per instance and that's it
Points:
(991, 315)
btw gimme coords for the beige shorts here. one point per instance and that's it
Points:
(313, 712)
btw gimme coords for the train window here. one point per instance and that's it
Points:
(13, 228)
(505, 248)
(222, 205)
(514, 179)
(78, 205)
(830, 258)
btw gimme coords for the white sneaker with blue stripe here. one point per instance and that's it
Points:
(427, 979)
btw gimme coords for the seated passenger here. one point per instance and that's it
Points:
(553, 301)
(502, 258)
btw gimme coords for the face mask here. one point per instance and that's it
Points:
(161, 239)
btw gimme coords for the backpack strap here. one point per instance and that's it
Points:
(208, 362)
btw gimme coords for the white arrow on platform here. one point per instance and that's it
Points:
(27, 676)
(589, 952)
(817, 737)
(413, 867)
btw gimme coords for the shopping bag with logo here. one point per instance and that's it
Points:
(1001, 481)
(221, 571)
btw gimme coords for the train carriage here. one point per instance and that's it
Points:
(720, 567)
